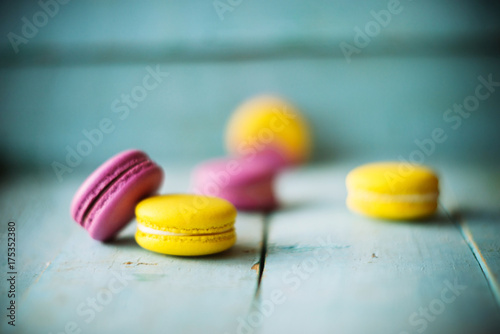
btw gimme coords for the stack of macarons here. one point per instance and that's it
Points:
(264, 136)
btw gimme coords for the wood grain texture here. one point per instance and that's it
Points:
(33, 202)
(128, 31)
(340, 272)
(394, 91)
(373, 107)
(473, 200)
(153, 292)
(62, 272)
(327, 270)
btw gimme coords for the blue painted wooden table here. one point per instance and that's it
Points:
(311, 266)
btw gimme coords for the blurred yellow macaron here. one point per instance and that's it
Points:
(269, 122)
(392, 190)
(185, 225)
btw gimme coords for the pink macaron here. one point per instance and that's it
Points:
(106, 200)
(247, 182)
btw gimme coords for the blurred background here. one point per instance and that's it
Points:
(372, 77)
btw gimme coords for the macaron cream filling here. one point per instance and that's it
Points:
(149, 230)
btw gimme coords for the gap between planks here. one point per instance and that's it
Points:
(457, 219)
(263, 250)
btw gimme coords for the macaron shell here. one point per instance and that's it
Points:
(258, 196)
(92, 187)
(115, 208)
(393, 178)
(186, 213)
(186, 245)
(268, 121)
(392, 210)
(235, 171)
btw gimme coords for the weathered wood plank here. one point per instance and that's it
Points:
(339, 272)
(473, 200)
(119, 287)
(31, 202)
(178, 31)
(194, 102)
(326, 269)
(153, 292)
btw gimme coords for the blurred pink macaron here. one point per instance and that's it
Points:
(106, 200)
(247, 182)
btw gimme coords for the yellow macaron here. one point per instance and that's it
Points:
(268, 122)
(186, 225)
(392, 190)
